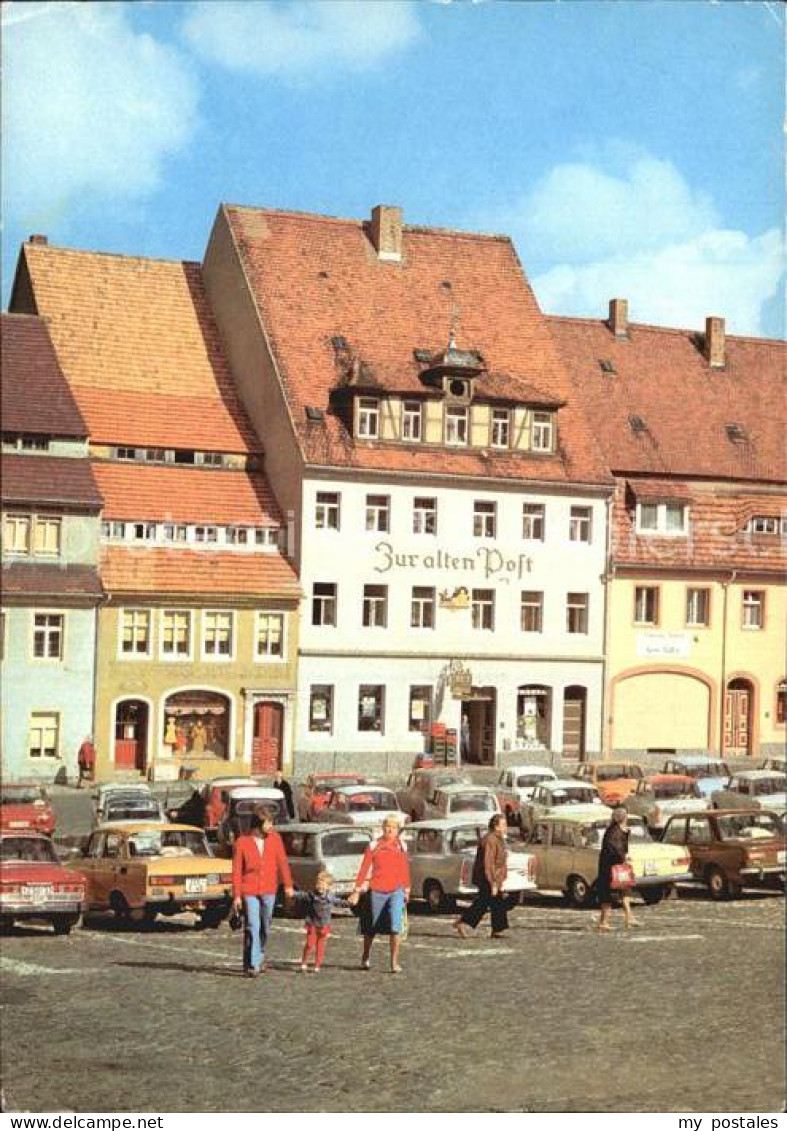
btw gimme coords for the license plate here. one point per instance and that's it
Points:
(651, 868)
(38, 894)
(196, 885)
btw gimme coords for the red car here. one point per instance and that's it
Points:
(34, 885)
(215, 794)
(25, 806)
(316, 790)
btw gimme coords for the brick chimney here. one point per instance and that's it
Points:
(386, 232)
(714, 342)
(42, 241)
(619, 317)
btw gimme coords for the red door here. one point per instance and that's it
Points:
(736, 719)
(131, 724)
(266, 750)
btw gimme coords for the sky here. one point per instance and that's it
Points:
(631, 148)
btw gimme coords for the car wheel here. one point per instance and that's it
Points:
(6, 925)
(62, 924)
(434, 896)
(579, 892)
(653, 895)
(718, 884)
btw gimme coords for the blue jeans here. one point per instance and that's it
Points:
(394, 901)
(258, 914)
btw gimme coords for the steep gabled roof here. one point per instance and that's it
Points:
(685, 407)
(36, 399)
(223, 575)
(315, 279)
(139, 347)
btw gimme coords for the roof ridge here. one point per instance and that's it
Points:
(349, 221)
(59, 248)
(678, 330)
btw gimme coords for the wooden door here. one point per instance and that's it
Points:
(131, 735)
(266, 750)
(737, 707)
(574, 725)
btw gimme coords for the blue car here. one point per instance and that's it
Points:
(710, 774)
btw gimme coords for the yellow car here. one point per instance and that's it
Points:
(139, 870)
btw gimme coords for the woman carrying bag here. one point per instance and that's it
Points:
(614, 870)
(386, 872)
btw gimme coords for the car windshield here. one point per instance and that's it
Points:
(614, 772)
(472, 803)
(706, 770)
(132, 813)
(770, 785)
(28, 849)
(573, 795)
(370, 802)
(168, 842)
(525, 780)
(752, 826)
(22, 796)
(669, 790)
(348, 842)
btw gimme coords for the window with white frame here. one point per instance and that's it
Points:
(456, 425)
(378, 513)
(126, 453)
(422, 607)
(532, 611)
(420, 712)
(484, 519)
(143, 531)
(270, 636)
(217, 635)
(483, 610)
(48, 636)
(174, 532)
(577, 613)
(324, 603)
(321, 708)
(206, 534)
(266, 536)
(238, 535)
(155, 455)
(175, 634)
(375, 606)
(16, 534)
(543, 435)
(579, 524)
(135, 632)
(371, 703)
(209, 459)
(326, 510)
(412, 420)
(424, 516)
(669, 519)
(766, 524)
(43, 736)
(368, 418)
(753, 608)
(533, 522)
(46, 538)
(646, 604)
(501, 428)
(697, 608)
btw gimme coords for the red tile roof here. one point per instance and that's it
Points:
(223, 575)
(185, 494)
(662, 376)
(315, 277)
(139, 346)
(58, 481)
(32, 579)
(36, 398)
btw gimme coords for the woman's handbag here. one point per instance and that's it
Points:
(622, 876)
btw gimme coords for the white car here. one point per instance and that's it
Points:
(462, 800)
(124, 808)
(553, 798)
(366, 805)
(516, 784)
(763, 789)
(243, 803)
(112, 790)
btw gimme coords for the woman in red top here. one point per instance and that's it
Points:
(386, 872)
(259, 863)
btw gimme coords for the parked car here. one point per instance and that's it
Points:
(462, 801)
(314, 792)
(122, 808)
(421, 786)
(312, 848)
(139, 871)
(243, 802)
(35, 885)
(660, 796)
(567, 848)
(216, 793)
(731, 849)
(111, 790)
(360, 805)
(613, 780)
(552, 797)
(709, 773)
(26, 806)
(516, 784)
(752, 789)
(442, 853)
(778, 764)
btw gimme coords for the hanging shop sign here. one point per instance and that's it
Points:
(460, 680)
(459, 598)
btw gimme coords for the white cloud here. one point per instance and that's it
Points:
(302, 36)
(642, 233)
(91, 108)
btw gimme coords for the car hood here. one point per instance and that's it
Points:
(27, 872)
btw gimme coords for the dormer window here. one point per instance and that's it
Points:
(368, 418)
(457, 388)
(501, 428)
(456, 425)
(543, 432)
(412, 420)
(670, 519)
(766, 524)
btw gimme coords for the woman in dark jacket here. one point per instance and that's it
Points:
(614, 850)
(489, 873)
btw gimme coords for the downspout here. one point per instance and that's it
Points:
(607, 578)
(723, 679)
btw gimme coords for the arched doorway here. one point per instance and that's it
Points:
(197, 724)
(738, 717)
(574, 715)
(534, 716)
(131, 735)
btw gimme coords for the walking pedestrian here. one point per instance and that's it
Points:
(385, 871)
(259, 865)
(489, 873)
(280, 782)
(86, 761)
(614, 851)
(318, 907)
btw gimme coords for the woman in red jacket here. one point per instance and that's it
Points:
(259, 863)
(386, 872)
